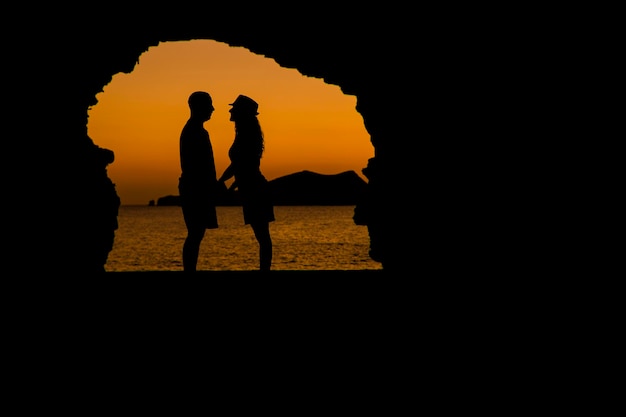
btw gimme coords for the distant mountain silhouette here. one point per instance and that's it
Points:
(304, 188)
(310, 188)
(168, 200)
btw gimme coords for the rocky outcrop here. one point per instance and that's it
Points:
(308, 188)
(304, 188)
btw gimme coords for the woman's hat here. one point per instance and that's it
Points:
(245, 104)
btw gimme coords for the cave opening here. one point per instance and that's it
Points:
(309, 125)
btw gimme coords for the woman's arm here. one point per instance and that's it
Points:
(228, 173)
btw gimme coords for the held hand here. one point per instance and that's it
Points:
(221, 188)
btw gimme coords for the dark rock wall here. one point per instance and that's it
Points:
(398, 64)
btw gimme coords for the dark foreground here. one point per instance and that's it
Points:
(222, 296)
(279, 272)
(318, 292)
(287, 310)
(381, 293)
(368, 273)
(251, 287)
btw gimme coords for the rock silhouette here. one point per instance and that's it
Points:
(304, 188)
(310, 188)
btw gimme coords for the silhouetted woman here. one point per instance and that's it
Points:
(245, 165)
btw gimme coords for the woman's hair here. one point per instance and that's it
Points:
(248, 131)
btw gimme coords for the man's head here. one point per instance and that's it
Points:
(201, 104)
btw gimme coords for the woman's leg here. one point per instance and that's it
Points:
(262, 234)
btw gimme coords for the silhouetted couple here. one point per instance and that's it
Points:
(200, 189)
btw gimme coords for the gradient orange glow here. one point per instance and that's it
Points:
(308, 124)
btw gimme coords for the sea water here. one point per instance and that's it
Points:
(150, 238)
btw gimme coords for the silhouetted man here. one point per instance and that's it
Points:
(197, 184)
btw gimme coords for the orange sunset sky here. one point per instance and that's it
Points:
(308, 124)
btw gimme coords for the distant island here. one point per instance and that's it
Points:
(304, 188)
